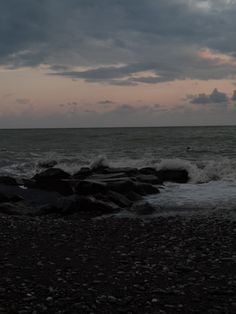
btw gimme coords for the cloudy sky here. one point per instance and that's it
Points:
(88, 63)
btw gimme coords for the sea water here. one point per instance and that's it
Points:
(207, 153)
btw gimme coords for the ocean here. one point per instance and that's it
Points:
(207, 153)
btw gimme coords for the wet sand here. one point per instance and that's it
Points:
(82, 265)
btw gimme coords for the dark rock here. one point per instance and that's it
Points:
(15, 208)
(119, 199)
(68, 205)
(83, 173)
(122, 187)
(177, 175)
(148, 171)
(53, 179)
(88, 204)
(88, 187)
(91, 204)
(10, 198)
(148, 178)
(142, 208)
(53, 174)
(62, 187)
(146, 189)
(133, 196)
(127, 170)
(109, 176)
(8, 180)
(3, 198)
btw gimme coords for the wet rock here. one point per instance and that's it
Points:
(53, 174)
(91, 204)
(8, 180)
(148, 171)
(15, 208)
(148, 178)
(173, 175)
(146, 189)
(119, 199)
(129, 171)
(83, 173)
(133, 196)
(4, 198)
(53, 180)
(88, 187)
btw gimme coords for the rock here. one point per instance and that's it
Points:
(127, 170)
(15, 209)
(133, 196)
(91, 204)
(146, 189)
(148, 171)
(53, 179)
(123, 186)
(127, 186)
(53, 174)
(173, 175)
(142, 208)
(148, 178)
(88, 187)
(8, 180)
(4, 198)
(83, 173)
(119, 199)
(68, 205)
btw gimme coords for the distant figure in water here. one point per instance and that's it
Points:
(188, 148)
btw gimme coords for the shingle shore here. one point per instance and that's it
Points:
(166, 265)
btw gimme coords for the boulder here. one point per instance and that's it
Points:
(148, 178)
(85, 204)
(146, 189)
(8, 180)
(52, 174)
(10, 198)
(148, 171)
(83, 173)
(88, 187)
(128, 171)
(142, 208)
(19, 208)
(52, 179)
(173, 175)
(90, 204)
(119, 199)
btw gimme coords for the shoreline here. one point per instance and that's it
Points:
(117, 265)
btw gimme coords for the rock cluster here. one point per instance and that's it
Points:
(98, 190)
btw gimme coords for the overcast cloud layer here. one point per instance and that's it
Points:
(117, 41)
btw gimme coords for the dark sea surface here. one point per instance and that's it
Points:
(208, 153)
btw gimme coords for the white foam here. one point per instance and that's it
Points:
(214, 195)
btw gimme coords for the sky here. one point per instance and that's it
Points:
(88, 63)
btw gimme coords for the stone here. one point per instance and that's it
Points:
(173, 175)
(8, 180)
(88, 187)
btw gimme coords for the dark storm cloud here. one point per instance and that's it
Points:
(159, 36)
(216, 97)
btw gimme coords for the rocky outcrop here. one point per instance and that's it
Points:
(173, 175)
